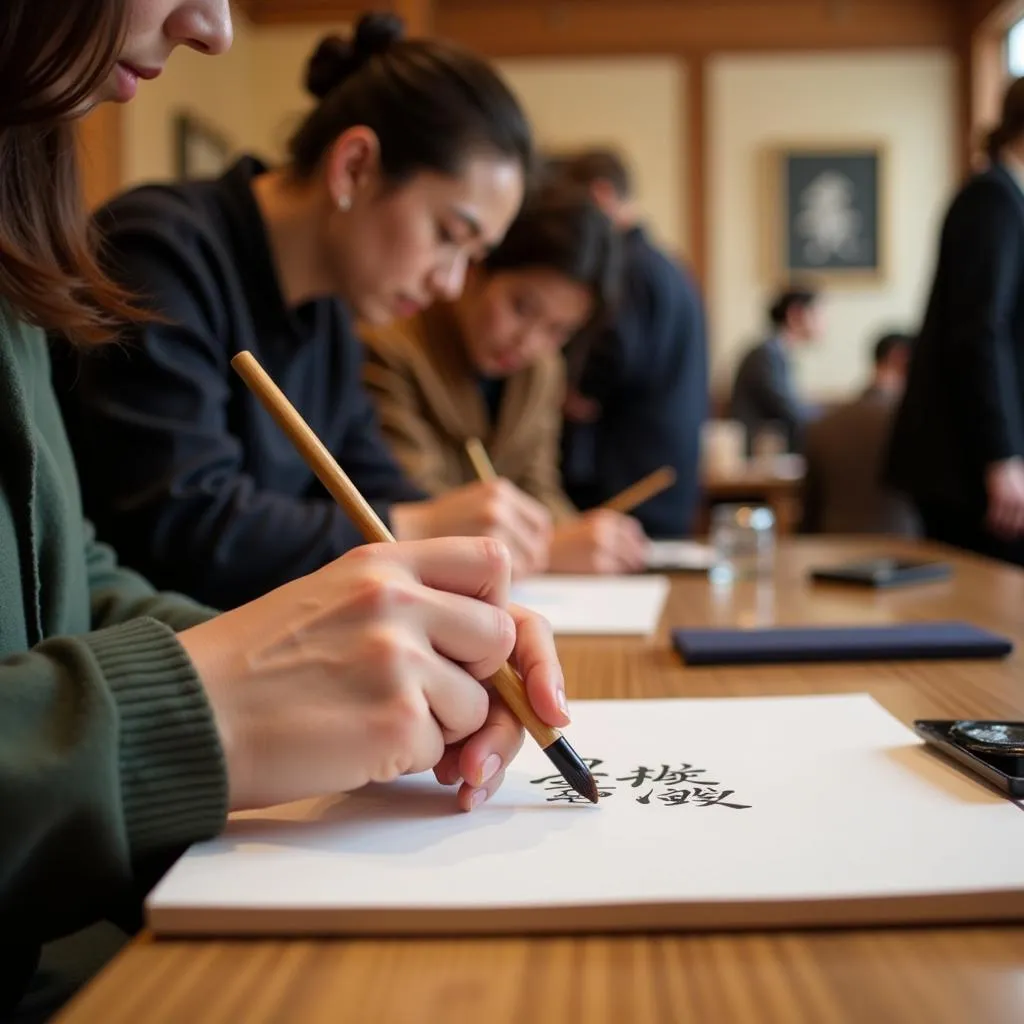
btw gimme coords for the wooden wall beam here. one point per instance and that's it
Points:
(695, 134)
(655, 26)
(418, 15)
(983, 68)
(517, 28)
(292, 12)
(993, 15)
(100, 147)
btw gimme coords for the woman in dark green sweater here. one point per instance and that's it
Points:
(132, 722)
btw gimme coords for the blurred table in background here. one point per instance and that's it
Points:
(776, 482)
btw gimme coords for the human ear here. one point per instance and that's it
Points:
(353, 165)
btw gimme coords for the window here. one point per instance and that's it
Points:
(1015, 49)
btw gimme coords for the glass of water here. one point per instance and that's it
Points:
(743, 540)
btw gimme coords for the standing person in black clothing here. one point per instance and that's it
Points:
(412, 164)
(958, 443)
(763, 392)
(641, 395)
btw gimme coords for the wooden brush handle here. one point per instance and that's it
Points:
(482, 465)
(312, 449)
(513, 692)
(506, 680)
(643, 490)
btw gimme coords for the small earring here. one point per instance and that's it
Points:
(344, 203)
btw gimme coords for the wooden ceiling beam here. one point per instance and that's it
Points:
(418, 15)
(293, 12)
(507, 28)
(698, 26)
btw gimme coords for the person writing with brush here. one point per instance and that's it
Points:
(132, 721)
(412, 164)
(488, 365)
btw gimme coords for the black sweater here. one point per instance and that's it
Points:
(964, 403)
(182, 469)
(649, 374)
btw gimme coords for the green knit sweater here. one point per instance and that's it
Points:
(108, 751)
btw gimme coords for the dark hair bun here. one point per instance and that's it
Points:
(329, 64)
(376, 33)
(335, 58)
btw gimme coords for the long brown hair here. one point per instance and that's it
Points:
(53, 56)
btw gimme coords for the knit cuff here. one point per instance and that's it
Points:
(174, 788)
(185, 614)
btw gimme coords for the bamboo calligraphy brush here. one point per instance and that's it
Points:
(643, 490)
(506, 680)
(482, 464)
(629, 499)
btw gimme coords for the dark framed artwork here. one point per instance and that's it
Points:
(826, 211)
(200, 150)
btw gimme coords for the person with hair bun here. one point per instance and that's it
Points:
(958, 442)
(488, 365)
(411, 165)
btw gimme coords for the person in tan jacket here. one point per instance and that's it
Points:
(489, 365)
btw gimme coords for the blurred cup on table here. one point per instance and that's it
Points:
(743, 541)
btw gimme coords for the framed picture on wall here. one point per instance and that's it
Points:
(825, 214)
(201, 151)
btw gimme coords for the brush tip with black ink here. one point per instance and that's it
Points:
(572, 768)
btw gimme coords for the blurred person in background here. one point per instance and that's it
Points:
(638, 390)
(958, 441)
(489, 366)
(764, 394)
(846, 449)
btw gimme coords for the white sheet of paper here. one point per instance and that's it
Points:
(718, 812)
(680, 556)
(596, 605)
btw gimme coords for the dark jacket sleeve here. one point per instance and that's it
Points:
(364, 453)
(984, 276)
(163, 474)
(651, 377)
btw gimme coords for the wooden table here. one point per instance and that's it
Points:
(968, 975)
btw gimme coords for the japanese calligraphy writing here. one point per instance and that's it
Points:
(561, 792)
(677, 785)
(702, 796)
(669, 776)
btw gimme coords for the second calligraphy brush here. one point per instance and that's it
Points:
(506, 681)
(633, 496)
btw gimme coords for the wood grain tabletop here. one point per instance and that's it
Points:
(964, 975)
